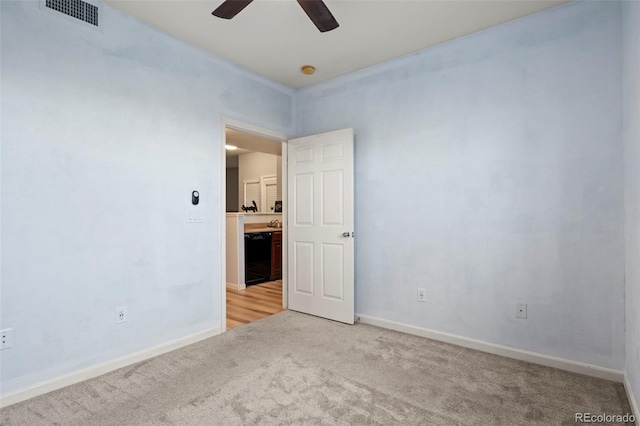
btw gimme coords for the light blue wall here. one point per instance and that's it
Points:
(631, 135)
(104, 136)
(489, 170)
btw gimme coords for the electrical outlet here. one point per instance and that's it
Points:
(521, 311)
(121, 315)
(6, 339)
(422, 295)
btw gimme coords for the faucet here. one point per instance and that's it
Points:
(274, 224)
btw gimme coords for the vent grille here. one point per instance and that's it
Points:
(77, 8)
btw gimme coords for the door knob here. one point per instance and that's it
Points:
(346, 234)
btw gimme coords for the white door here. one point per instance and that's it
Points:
(320, 231)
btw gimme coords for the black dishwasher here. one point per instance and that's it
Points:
(257, 257)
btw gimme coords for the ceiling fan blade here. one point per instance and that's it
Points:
(320, 14)
(230, 8)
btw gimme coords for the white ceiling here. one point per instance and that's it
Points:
(248, 142)
(275, 37)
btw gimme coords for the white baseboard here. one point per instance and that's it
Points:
(232, 286)
(533, 357)
(100, 369)
(632, 400)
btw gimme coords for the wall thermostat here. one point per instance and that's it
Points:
(195, 198)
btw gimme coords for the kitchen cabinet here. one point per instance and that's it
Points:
(276, 256)
(238, 224)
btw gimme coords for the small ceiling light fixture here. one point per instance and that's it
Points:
(308, 69)
(231, 147)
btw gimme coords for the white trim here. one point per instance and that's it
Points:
(250, 128)
(232, 286)
(533, 357)
(101, 368)
(632, 400)
(285, 226)
(223, 227)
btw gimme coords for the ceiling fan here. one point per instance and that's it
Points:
(317, 11)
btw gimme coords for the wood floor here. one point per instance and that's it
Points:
(257, 301)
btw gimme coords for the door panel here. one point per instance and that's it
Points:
(303, 154)
(332, 152)
(332, 198)
(303, 265)
(332, 266)
(320, 202)
(303, 201)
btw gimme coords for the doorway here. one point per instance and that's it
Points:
(254, 230)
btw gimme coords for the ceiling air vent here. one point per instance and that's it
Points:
(76, 8)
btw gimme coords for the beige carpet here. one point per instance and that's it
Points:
(296, 369)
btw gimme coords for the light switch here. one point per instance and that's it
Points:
(195, 216)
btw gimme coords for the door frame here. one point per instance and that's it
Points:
(260, 131)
